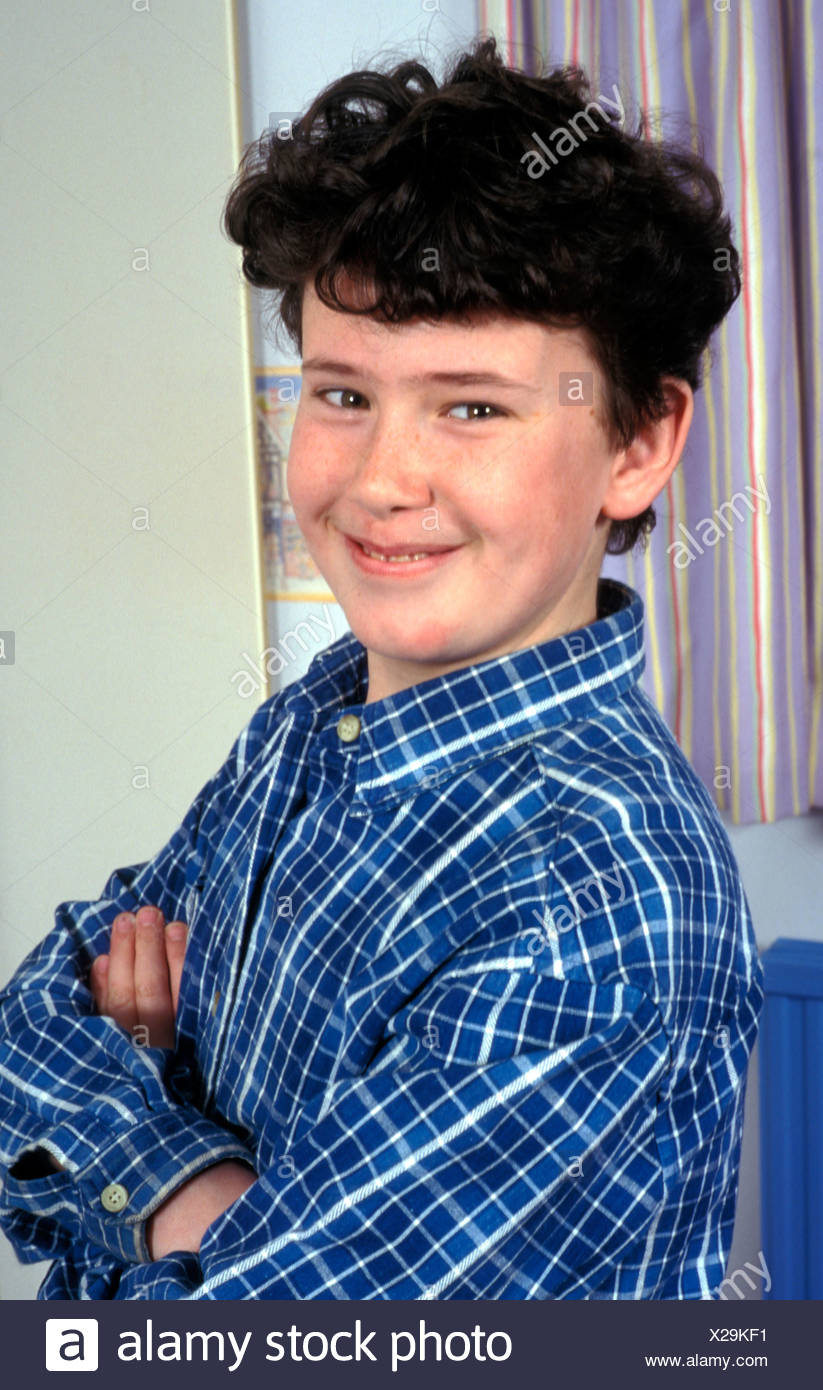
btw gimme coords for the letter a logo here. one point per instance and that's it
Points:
(71, 1344)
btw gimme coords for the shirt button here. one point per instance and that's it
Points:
(114, 1197)
(348, 727)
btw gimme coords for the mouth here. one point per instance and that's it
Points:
(397, 566)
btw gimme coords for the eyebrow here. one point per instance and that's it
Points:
(486, 378)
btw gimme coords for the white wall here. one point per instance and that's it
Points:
(121, 388)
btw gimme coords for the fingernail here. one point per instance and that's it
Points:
(176, 931)
(124, 923)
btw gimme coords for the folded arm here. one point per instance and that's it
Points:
(503, 1135)
(137, 983)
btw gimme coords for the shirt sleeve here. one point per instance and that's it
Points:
(75, 1083)
(507, 1123)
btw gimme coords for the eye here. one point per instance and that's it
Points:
(478, 405)
(347, 391)
(337, 391)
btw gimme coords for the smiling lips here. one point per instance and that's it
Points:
(409, 551)
(396, 560)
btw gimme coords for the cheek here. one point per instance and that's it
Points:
(527, 509)
(308, 471)
(557, 496)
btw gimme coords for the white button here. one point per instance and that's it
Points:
(114, 1197)
(348, 727)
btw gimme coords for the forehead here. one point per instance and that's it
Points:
(482, 332)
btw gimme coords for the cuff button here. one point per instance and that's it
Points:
(114, 1197)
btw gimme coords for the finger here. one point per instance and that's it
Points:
(98, 982)
(120, 1001)
(176, 938)
(151, 979)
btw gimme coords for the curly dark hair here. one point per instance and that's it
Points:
(621, 240)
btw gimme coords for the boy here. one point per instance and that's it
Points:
(470, 984)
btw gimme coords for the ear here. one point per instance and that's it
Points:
(640, 472)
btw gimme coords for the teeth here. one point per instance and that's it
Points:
(375, 554)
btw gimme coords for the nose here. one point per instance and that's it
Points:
(391, 469)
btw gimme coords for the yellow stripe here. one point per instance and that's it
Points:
(759, 390)
(494, 22)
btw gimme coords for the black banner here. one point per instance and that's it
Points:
(207, 1344)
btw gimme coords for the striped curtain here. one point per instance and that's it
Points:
(732, 579)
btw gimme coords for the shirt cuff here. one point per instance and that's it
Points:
(109, 1187)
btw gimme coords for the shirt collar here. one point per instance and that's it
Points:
(424, 734)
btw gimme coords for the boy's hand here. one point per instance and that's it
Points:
(138, 982)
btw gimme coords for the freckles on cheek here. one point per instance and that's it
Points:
(309, 476)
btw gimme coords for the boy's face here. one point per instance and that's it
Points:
(424, 464)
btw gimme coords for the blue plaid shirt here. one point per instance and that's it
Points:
(470, 981)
